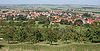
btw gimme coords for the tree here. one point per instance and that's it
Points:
(33, 34)
(56, 25)
(66, 36)
(87, 15)
(69, 23)
(79, 35)
(43, 20)
(21, 34)
(50, 35)
(46, 23)
(11, 23)
(21, 18)
(78, 22)
(10, 34)
(93, 34)
(64, 21)
(31, 22)
(3, 23)
(96, 23)
(9, 17)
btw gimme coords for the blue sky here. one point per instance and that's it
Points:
(88, 2)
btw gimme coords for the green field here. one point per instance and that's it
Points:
(47, 47)
(72, 47)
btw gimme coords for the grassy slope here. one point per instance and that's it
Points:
(73, 47)
(47, 47)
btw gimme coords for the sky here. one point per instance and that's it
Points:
(87, 2)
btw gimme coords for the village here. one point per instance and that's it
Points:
(54, 16)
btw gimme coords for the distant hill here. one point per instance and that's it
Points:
(90, 8)
(50, 5)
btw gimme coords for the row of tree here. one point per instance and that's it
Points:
(30, 32)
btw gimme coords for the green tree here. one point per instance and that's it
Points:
(31, 22)
(10, 34)
(78, 22)
(93, 35)
(33, 34)
(21, 18)
(64, 21)
(69, 23)
(21, 34)
(46, 23)
(87, 15)
(50, 35)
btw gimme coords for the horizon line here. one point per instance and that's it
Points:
(45, 4)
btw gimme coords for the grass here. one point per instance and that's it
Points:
(41, 25)
(73, 47)
(0, 12)
(47, 47)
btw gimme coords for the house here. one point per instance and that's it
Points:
(32, 17)
(55, 17)
(73, 20)
(90, 21)
(1, 17)
(29, 17)
(4, 18)
(78, 16)
(56, 21)
(14, 18)
(52, 22)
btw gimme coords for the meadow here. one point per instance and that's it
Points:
(47, 47)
